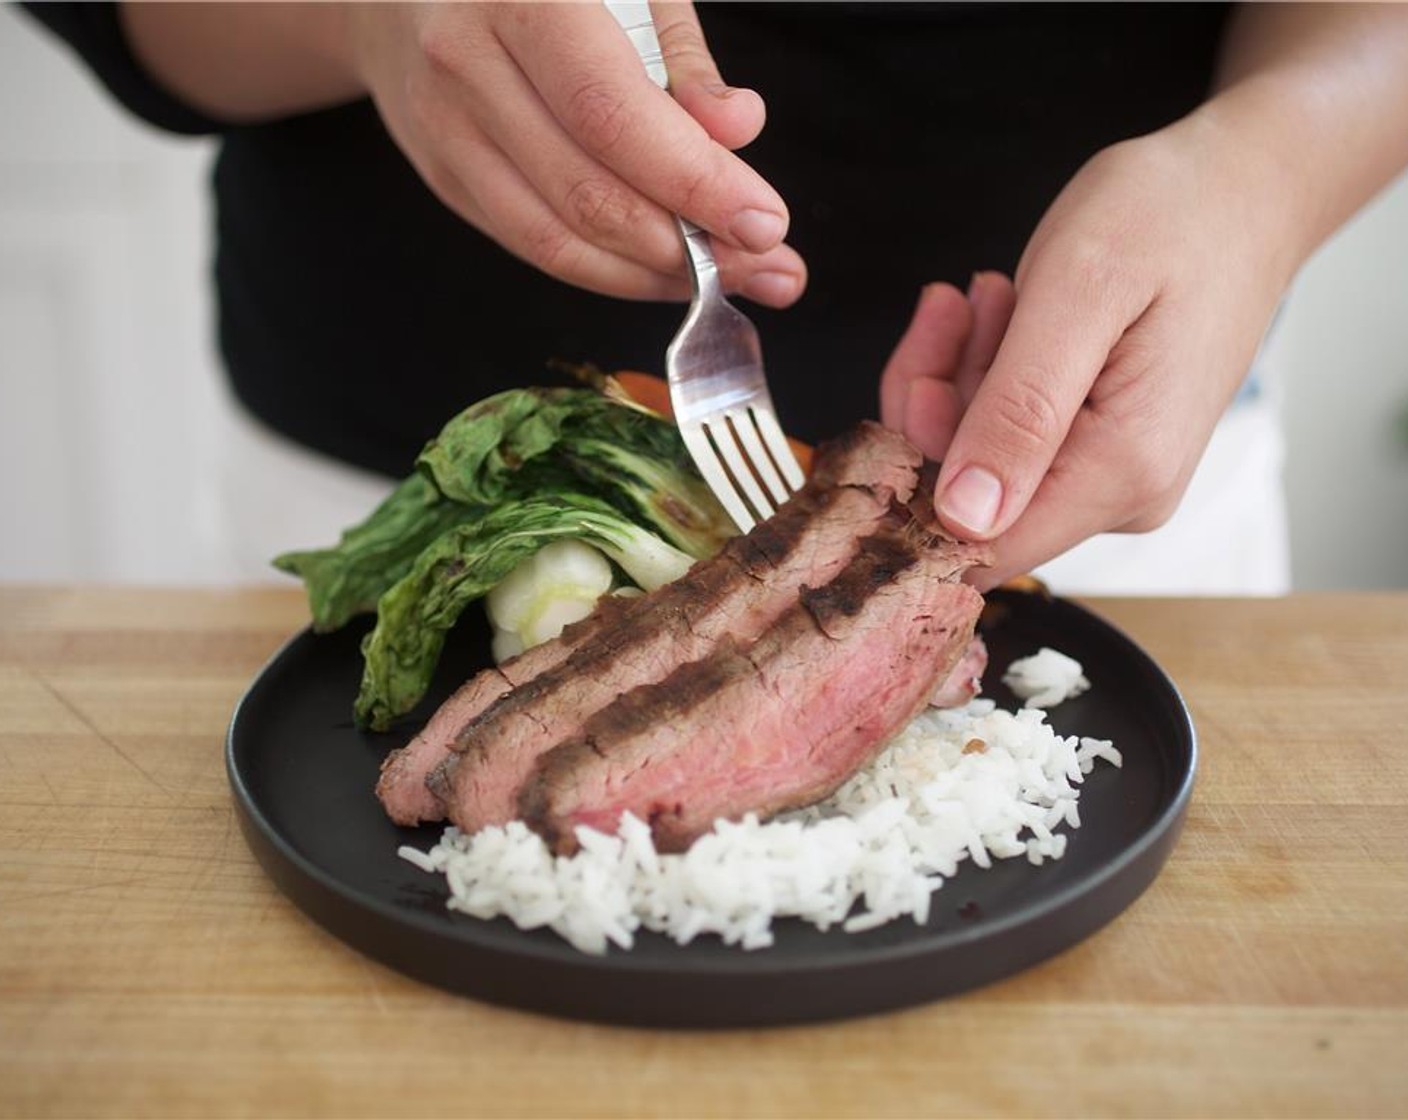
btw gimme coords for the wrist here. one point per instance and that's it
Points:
(1255, 151)
(352, 33)
(1318, 95)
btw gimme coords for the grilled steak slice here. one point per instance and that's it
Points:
(872, 456)
(775, 725)
(401, 786)
(965, 680)
(737, 593)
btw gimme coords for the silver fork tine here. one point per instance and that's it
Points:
(721, 431)
(745, 423)
(778, 447)
(702, 452)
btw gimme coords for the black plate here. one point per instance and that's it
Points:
(302, 777)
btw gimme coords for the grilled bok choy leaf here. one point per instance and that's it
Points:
(534, 441)
(348, 579)
(413, 617)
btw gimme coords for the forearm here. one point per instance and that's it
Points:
(1317, 96)
(245, 62)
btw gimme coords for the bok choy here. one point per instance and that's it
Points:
(558, 585)
(506, 477)
(349, 579)
(464, 564)
(535, 441)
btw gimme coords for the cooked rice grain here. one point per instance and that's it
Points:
(1046, 678)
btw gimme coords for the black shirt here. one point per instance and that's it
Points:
(912, 143)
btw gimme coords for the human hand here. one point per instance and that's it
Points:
(1081, 400)
(538, 125)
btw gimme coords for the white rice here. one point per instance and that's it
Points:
(968, 784)
(1046, 678)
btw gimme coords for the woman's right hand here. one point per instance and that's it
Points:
(538, 125)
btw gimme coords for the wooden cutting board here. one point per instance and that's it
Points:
(148, 968)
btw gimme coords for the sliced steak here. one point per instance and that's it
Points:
(775, 725)
(965, 680)
(401, 786)
(737, 594)
(872, 456)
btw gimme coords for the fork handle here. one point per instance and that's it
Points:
(635, 19)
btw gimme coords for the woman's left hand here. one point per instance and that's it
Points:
(1080, 399)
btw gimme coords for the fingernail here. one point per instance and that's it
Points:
(972, 500)
(758, 230)
(773, 288)
(724, 92)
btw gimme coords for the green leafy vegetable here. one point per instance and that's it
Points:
(414, 616)
(496, 449)
(349, 579)
(504, 478)
(547, 440)
(655, 491)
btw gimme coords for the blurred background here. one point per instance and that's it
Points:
(111, 401)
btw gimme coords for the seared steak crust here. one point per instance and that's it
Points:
(773, 725)
(872, 456)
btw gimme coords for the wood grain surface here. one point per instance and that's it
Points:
(148, 968)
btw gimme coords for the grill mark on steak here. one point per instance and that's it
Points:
(775, 725)
(841, 599)
(739, 592)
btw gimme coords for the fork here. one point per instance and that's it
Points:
(714, 366)
(720, 397)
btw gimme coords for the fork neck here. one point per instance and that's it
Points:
(703, 272)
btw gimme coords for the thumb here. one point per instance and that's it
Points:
(733, 117)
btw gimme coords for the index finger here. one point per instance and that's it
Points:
(591, 79)
(1061, 333)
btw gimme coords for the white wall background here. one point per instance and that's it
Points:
(1343, 346)
(110, 399)
(107, 378)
